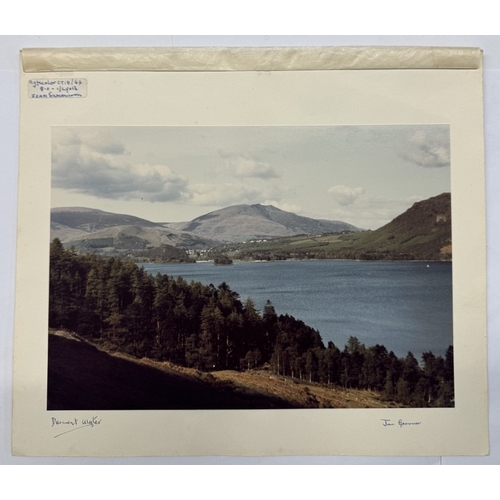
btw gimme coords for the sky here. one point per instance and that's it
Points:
(362, 175)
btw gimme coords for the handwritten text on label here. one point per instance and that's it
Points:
(57, 88)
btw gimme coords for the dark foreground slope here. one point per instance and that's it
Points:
(82, 377)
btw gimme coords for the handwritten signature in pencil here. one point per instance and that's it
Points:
(386, 422)
(75, 424)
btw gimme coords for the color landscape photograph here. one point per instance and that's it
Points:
(250, 267)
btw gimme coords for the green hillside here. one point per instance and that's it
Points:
(163, 253)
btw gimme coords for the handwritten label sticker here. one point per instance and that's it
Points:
(57, 88)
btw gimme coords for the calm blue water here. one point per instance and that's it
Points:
(405, 306)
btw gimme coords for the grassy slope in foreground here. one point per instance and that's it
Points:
(84, 377)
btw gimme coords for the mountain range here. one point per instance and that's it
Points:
(92, 230)
(256, 232)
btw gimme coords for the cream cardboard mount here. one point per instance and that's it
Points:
(251, 87)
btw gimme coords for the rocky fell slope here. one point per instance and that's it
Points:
(247, 222)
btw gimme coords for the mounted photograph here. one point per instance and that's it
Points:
(251, 252)
(250, 267)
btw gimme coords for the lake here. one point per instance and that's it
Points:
(405, 306)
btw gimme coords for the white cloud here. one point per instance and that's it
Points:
(428, 148)
(230, 194)
(100, 166)
(287, 207)
(105, 143)
(373, 212)
(345, 195)
(246, 166)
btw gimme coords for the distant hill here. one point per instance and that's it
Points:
(96, 231)
(76, 223)
(92, 220)
(127, 239)
(423, 232)
(246, 222)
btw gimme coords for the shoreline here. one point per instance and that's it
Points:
(237, 261)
